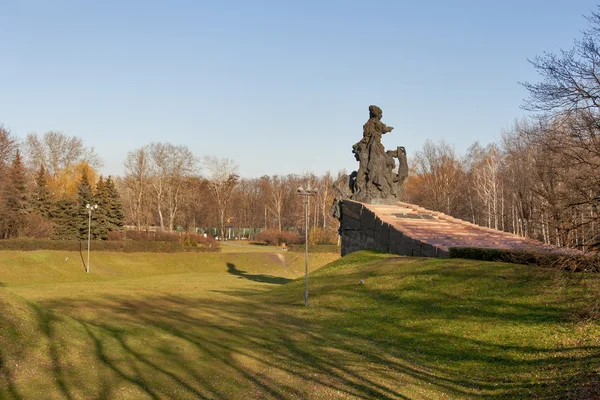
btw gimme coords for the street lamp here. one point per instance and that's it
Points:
(306, 193)
(89, 208)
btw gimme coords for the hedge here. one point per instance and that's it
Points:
(315, 248)
(125, 246)
(561, 260)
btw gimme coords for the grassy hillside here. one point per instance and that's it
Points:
(233, 325)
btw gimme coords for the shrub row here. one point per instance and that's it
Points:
(126, 246)
(273, 237)
(560, 260)
(315, 248)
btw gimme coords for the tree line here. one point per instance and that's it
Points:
(46, 196)
(167, 186)
(541, 179)
(47, 181)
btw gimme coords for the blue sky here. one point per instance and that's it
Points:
(278, 86)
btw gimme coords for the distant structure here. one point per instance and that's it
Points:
(375, 182)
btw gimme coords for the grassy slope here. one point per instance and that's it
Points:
(222, 326)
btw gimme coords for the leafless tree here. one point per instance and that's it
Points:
(57, 152)
(170, 167)
(137, 175)
(570, 81)
(8, 146)
(222, 180)
(484, 173)
(437, 178)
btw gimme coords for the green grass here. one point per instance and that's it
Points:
(233, 325)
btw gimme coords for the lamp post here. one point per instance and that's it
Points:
(306, 193)
(89, 208)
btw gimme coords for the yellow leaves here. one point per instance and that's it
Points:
(65, 182)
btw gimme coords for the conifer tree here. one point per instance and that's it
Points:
(101, 198)
(15, 200)
(42, 201)
(85, 196)
(114, 206)
(65, 216)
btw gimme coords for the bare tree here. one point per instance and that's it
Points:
(137, 174)
(8, 150)
(57, 152)
(484, 173)
(570, 81)
(171, 165)
(222, 180)
(437, 178)
(8, 146)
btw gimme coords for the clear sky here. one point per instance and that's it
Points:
(278, 86)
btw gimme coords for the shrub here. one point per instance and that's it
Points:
(136, 235)
(563, 260)
(36, 226)
(316, 248)
(158, 236)
(162, 236)
(318, 235)
(195, 240)
(115, 236)
(275, 238)
(127, 246)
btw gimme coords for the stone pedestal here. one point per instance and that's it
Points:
(410, 230)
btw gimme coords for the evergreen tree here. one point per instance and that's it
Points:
(14, 208)
(66, 217)
(101, 198)
(42, 201)
(115, 214)
(85, 196)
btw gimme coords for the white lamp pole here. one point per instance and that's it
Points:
(89, 208)
(306, 193)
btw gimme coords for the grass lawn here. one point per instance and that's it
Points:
(233, 325)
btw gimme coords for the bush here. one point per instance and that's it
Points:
(318, 235)
(115, 236)
(194, 240)
(161, 236)
(136, 235)
(316, 248)
(563, 260)
(275, 238)
(36, 226)
(158, 236)
(126, 246)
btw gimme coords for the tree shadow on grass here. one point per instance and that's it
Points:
(81, 256)
(191, 345)
(182, 347)
(275, 280)
(8, 353)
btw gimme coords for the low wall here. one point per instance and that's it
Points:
(361, 229)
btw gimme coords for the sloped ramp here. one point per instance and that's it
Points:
(410, 230)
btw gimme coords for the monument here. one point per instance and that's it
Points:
(368, 204)
(378, 179)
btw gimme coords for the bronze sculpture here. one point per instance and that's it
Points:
(375, 181)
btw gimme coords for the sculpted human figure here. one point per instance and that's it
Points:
(370, 153)
(377, 181)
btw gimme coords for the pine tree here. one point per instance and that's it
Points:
(101, 198)
(42, 201)
(115, 214)
(85, 196)
(15, 200)
(65, 216)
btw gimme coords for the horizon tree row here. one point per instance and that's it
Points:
(48, 205)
